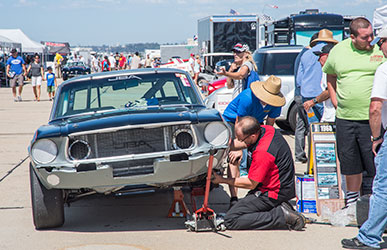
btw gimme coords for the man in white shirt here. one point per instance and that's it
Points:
(135, 61)
(112, 61)
(370, 233)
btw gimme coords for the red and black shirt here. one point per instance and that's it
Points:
(271, 164)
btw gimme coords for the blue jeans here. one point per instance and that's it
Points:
(371, 231)
(318, 110)
(243, 166)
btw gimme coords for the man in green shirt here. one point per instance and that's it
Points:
(351, 66)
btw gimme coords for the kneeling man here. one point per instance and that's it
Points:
(270, 180)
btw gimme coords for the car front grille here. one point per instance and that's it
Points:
(132, 168)
(130, 141)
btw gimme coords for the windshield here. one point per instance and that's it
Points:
(128, 92)
(278, 64)
(75, 64)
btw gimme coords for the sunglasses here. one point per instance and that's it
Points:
(380, 42)
(247, 136)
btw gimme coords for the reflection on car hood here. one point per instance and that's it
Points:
(74, 68)
(71, 125)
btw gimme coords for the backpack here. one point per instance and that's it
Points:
(105, 66)
(253, 76)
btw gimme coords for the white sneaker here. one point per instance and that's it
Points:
(19, 98)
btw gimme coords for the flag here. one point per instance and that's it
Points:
(273, 6)
(233, 12)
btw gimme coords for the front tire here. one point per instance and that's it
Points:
(292, 117)
(47, 204)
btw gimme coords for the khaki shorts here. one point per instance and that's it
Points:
(17, 80)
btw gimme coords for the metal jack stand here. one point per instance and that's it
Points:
(178, 207)
(204, 219)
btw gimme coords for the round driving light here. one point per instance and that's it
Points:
(53, 179)
(214, 162)
(44, 151)
(182, 139)
(79, 150)
(216, 133)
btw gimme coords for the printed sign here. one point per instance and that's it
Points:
(326, 168)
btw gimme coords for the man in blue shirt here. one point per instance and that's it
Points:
(261, 100)
(301, 121)
(309, 74)
(15, 68)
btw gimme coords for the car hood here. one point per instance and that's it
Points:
(71, 125)
(75, 68)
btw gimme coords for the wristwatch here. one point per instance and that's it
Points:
(376, 138)
(314, 100)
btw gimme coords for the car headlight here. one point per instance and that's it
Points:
(44, 151)
(216, 133)
(182, 139)
(79, 150)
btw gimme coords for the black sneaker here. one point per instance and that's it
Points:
(290, 207)
(354, 243)
(293, 219)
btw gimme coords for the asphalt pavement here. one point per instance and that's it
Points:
(124, 222)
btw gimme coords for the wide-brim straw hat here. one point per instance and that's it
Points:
(269, 91)
(324, 35)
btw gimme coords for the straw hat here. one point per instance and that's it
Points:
(269, 91)
(324, 35)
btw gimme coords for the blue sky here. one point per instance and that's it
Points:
(97, 22)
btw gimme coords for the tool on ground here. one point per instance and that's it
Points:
(204, 219)
(178, 207)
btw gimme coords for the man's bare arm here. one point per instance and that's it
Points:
(376, 121)
(236, 182)
(331, 81)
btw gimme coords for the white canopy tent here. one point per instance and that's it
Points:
(18, 36)
(380, 17)
(6, 45)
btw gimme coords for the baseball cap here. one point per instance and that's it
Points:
(192, 54)
(324, 50)
(240, 47)
(382, 34)
(13, 50)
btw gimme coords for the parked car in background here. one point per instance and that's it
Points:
(279, 61)
(211, 62)
(72, 69)
(112, 130)
(217, 84)
(271, 60)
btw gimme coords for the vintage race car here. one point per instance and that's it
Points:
(72, 69)
(110, 131)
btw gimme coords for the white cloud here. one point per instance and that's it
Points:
(155, 1)
(109, 1)
(25, 3)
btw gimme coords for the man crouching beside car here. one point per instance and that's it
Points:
(270, 180)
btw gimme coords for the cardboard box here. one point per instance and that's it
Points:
(305, 194)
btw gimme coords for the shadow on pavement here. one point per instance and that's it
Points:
(145, 212)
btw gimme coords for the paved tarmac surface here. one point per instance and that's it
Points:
(126, 222)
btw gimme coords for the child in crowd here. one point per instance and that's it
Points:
(51, 83)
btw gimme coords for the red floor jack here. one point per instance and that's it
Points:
(204, 219)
